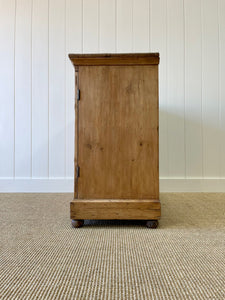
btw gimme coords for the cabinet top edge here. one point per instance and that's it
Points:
(105, 59)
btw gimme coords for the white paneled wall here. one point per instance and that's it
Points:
(37, 85)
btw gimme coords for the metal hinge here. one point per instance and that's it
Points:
(78, 95)
(78, 171)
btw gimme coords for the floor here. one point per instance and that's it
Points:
(43, 257)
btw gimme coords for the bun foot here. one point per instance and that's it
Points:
(77, 223)
(152, 223)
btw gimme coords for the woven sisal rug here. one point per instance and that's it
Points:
(43, 257)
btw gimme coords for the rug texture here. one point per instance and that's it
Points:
(43, 257)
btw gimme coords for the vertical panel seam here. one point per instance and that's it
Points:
(98, 24)
(48, 94)
(31, 90)
(167, 130)
(184, 45)
(82, 25)
(65, 94)
(219, 91)
(116, 26)
(202, 132)
(132, 25)
(149, 25)
(14, 92)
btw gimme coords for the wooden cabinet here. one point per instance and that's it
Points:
(116, 137)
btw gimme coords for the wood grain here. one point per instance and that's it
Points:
(76, 106)
(114, 59)
(116, 137)
(118, 132)
(115, 209)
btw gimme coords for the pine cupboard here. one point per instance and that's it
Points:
(116, 138)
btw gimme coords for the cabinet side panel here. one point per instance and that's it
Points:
(118, 132)
(76, 106)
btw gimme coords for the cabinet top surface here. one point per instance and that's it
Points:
(114, 59)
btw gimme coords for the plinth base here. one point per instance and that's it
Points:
(115, 209)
